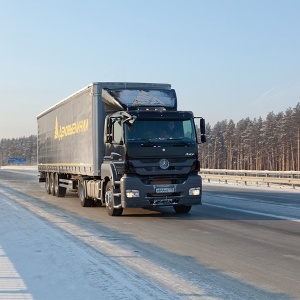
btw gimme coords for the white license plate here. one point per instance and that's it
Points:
(164, 190)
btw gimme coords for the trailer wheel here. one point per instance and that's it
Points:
(84, 201)
(98, 203)
(109, 201)
(52, 190)
(59, 191)
(47, 183)
(182, 209)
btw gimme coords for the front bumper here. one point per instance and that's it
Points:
(170, 194)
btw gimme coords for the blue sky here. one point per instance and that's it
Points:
(225, 59)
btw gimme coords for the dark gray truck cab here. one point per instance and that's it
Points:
(134, 149)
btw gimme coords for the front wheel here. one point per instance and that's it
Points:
(182, 209)
(109, 201)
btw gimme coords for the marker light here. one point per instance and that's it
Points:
(132, 193)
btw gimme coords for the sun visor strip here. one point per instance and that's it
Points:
(132, 99)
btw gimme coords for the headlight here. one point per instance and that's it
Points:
(132, 193)
(195, 191)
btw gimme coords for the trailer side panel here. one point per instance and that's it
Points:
(65, 136)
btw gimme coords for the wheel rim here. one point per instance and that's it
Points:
(109, 198)
(56, 184)
(52, 183)
(81, 192)
(47, 183)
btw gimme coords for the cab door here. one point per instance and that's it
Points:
(115, 139)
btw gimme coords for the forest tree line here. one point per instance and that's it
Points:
(24, 147)
(272, 144)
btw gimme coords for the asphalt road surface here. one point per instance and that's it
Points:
(242, 243)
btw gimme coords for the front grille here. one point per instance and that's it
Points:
(150, 180)
(156, 160)
(157, 169)
(146, 166)
(149, 195)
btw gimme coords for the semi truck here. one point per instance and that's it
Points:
(122, 145)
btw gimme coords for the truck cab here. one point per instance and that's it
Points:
(153, 153)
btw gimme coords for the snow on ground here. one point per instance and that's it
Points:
(274, 187)
(39, 261)
(19, 168)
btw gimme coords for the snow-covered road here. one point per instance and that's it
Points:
(51, 248)
(44, 255)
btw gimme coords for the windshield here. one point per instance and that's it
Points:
(160, 130)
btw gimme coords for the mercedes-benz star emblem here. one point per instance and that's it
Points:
(164, 164)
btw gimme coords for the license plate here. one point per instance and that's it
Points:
(164, 190)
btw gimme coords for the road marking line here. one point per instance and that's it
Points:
(12, 285)
(292, 256)
(254, 212)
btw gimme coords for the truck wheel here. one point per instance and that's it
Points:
(52, 190)
(182, 209)
(109, 201)
(98, 203)
(84, 201)
(59, 191)
(47, 183)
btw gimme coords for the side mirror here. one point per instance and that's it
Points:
(202, 126)
(202, 130)
(131, 121)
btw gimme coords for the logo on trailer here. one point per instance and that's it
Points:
(77, 127)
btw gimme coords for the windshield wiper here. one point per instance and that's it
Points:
(148, 144)
(180, 143)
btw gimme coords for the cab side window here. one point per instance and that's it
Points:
(117, 132)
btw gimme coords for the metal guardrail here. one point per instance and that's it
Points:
(291, 178)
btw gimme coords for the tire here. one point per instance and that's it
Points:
(182, 209)
(51, 181)
(47, 183)
(110, 201)
(59, 191)
(98, 203)
(84, 201)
